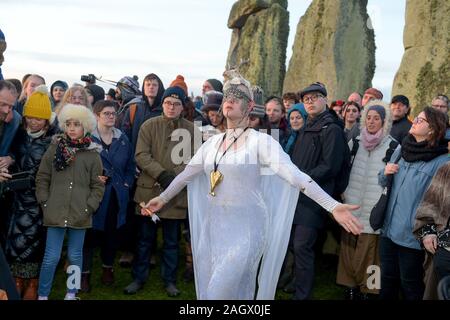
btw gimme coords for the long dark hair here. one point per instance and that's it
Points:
(438, 124)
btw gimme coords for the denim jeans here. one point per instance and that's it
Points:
(401, 270)
(146, 237)
(55, 239)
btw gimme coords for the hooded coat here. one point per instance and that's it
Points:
(144, 111)
(70, 197)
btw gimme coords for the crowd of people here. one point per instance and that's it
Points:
(247, 179)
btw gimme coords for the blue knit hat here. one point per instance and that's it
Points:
(59, 83)
(175, 92)
(380, 110)
(301, 109)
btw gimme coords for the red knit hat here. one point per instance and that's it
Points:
(375, 92)
(179, 82)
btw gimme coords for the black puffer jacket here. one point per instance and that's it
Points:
(26, 239)
(318, 152)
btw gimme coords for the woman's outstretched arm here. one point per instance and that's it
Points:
(272, 155)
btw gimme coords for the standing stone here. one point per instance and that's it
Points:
(259, 41)
(425, 66)
(335, 45)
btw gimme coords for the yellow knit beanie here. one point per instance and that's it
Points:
(38, 104)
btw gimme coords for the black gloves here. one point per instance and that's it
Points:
(165, 178)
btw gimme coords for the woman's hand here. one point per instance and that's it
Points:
(343, 215)
(430, 243)
(5, 162)
(4, 175)
(391, 168)
(152, 206)
(103, 179)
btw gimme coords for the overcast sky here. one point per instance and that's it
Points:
(63, 39)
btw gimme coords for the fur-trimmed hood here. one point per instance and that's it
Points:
(80, 113)
(387, 121)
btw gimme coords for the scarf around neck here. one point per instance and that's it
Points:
(371, 141)
(35, 135)
(66, 149)
(413, 151)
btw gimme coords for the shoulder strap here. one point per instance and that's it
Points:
(392, 146)
(354, 150)
(132, 112)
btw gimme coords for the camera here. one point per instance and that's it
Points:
(90, 78)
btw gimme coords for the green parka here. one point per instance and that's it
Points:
(70, 197)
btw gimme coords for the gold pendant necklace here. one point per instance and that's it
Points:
(216, 177)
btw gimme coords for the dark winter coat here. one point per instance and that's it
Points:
(318, 152)
(26, 239)
(144, 111)
(400, 129)
(119, 166)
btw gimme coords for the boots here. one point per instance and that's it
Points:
(85, 286)
(30, 292)
(108, 276)
(19, 285)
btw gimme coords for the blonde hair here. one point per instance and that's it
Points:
(66, 99)
(23, 94)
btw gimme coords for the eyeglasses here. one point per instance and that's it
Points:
(312, 98)
(352, 110)
(174, 104)
(108, 114)
(419, 120)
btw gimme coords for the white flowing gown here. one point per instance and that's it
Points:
(249, 220)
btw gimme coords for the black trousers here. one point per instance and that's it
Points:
(441, 262)
(304, 239)
(401, 270)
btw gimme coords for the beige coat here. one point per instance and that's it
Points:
(154, 155)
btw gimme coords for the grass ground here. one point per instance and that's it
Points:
(325, 284)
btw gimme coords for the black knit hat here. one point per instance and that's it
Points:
(314, 87)
(96, 91)
(216, 84)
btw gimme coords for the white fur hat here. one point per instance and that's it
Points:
(80, 113)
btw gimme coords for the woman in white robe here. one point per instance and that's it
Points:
(243, 222)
